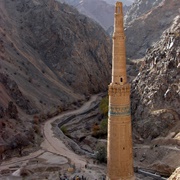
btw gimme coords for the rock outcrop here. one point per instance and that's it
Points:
(139, 8)
(145, 23)
(15, 94)
(156, 90)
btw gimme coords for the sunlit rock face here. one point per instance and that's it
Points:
(140, 7)
(145, 23)
(156, 90)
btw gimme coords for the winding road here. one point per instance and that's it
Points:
(51, 144)
(55, 145)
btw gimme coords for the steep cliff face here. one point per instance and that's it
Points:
(156, 90)
(53, 54)
(145, 23)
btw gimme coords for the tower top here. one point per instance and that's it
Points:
(119, 8)
(119, 49)
(118, 18)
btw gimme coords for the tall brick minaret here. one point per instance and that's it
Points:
(120, 156)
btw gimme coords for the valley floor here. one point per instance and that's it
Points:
(56, 160)
(53, 159)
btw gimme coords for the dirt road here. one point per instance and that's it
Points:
(54, 147)
(53, 144)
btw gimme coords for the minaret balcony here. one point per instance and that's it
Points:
(118, 89)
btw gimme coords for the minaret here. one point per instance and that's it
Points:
(120, 155)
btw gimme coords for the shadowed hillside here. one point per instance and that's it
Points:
(55, 55)
(51, 59)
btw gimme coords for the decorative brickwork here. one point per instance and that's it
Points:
(117, 90)
(119, 110)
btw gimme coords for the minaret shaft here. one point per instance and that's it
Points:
(119, 51)
(120, 156)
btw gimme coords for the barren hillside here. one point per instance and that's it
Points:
(50, 51)
(51, 59)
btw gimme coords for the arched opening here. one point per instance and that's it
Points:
(121, 79)
(118, 10)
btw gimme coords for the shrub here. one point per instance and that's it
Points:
(95, 130)
(104, 106)
(101, 155)
(103, 126)
(37, 129)
(64, 129)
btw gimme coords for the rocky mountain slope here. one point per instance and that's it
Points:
(125, 2)
(156, 105)
(145, 20)
(51, 59)
(155, 91)
(56, 53)
(145, 23)
(100, 11)
(112, 2)
(139, 8)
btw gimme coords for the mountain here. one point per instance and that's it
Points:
(145, 23)
(125, 2)
(156, 107)
(51, 59)
(139, 8)
(111, 2)
(100, 11)
(145, 20)
(155, 90)
(56, 53)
